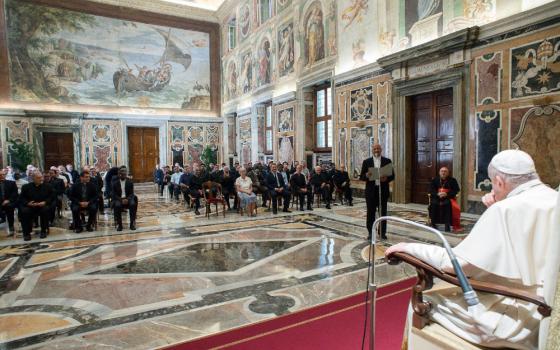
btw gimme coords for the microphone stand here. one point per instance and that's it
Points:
(469, 294)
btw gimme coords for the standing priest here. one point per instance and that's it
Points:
(370, 167)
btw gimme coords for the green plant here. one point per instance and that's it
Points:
(209, 155)
(22, 153)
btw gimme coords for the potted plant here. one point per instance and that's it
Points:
(21, 154)
(209, 155)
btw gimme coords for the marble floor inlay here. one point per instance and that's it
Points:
(180, 277)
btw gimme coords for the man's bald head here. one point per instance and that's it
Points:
(377, 149)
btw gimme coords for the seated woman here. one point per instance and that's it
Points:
(444, 208)
(244, 186)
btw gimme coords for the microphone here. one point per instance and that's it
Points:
(468, 292)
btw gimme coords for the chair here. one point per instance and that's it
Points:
(295, 199)
(433, 336)
(213, 195)
(339, 194)
(240, 210)
(83, 212)
(318, 198)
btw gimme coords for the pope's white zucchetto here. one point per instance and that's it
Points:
(513, 162)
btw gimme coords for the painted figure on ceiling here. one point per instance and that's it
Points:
(354, 12)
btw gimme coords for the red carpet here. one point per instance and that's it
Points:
(334, 325)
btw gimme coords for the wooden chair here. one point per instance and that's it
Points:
(213, 195)
(339, 194)
(434, 336)
(240, 210)
(318, 198)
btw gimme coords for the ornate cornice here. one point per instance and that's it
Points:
(166, 8)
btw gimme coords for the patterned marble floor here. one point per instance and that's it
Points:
(180, 277)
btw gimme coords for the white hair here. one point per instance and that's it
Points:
(512, 180)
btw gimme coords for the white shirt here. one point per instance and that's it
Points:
(377, 164)
(123, 192)
(175, 178)
(245, 185)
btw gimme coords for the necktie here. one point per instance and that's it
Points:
(277, 182)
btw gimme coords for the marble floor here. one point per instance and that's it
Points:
(180, 277)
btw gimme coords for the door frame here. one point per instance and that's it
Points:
(458, 80)
(38, 131)
(161, 125)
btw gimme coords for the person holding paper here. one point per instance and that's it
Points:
(377, 172)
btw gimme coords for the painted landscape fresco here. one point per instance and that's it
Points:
(60, 56)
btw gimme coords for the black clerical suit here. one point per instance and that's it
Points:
(372, 195)
(58, 186)
(195, 188)
(8, 192)
(317, 181)
(342, 181)
(228, 186)
(440, 208)
(98, 182)
(117, 201)
(83, 192)
(274, 181)
(298, 183)
(36, 193)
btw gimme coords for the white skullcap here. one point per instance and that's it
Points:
(53, 168)
(513, 162)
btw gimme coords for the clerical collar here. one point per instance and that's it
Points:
(378, 158)
(524, 187)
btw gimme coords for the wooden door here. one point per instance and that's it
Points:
(432, 115)
(143, 153)
(58, 148)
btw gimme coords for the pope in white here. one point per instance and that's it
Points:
(514, 243)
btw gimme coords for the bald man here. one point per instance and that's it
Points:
(514, 243)
(443, 201)
(372, 189)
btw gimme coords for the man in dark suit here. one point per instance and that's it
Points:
(159, 175)
(58, 186)
(83, 196)
(301, 188)
(72, 172)
(8, 201)
(341, 181)
(124, 197)
(185, 181)
(98, 182)
(372, 189)
(227, 181)
(322, 184)
(277, 188)
(195, 187)
(443, 203)
(35, 200)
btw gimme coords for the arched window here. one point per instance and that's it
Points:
(232, 34)
(265, 10)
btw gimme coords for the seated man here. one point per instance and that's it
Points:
(227, 181)
(8, 200)
(444, 208)
(257, 176)
(124, 198)
(185, 182)
(321, 184)
(195, 187)
(277, 188)
(301, 188)
(83, 196)
(97, 180)
(341, 181)
(58, 188)
(174, 184)
(35, 200)
(514, 243)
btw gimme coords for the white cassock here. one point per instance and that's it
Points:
(515, 242)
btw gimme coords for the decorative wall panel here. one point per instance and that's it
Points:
(537, 135)
(361, 141)
(245, 140)
(488, 134)
(284, 131)
(188, 141)
(102, 143)
(488, 78)
(535, 68)
(362, 106)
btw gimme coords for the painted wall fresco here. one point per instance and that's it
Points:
(286, 53)
(245, 139)
(188, 140)
(488, 70)
(284, 128)
(101, 143)
(93, 60)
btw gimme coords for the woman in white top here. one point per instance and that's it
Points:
(244, 187)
